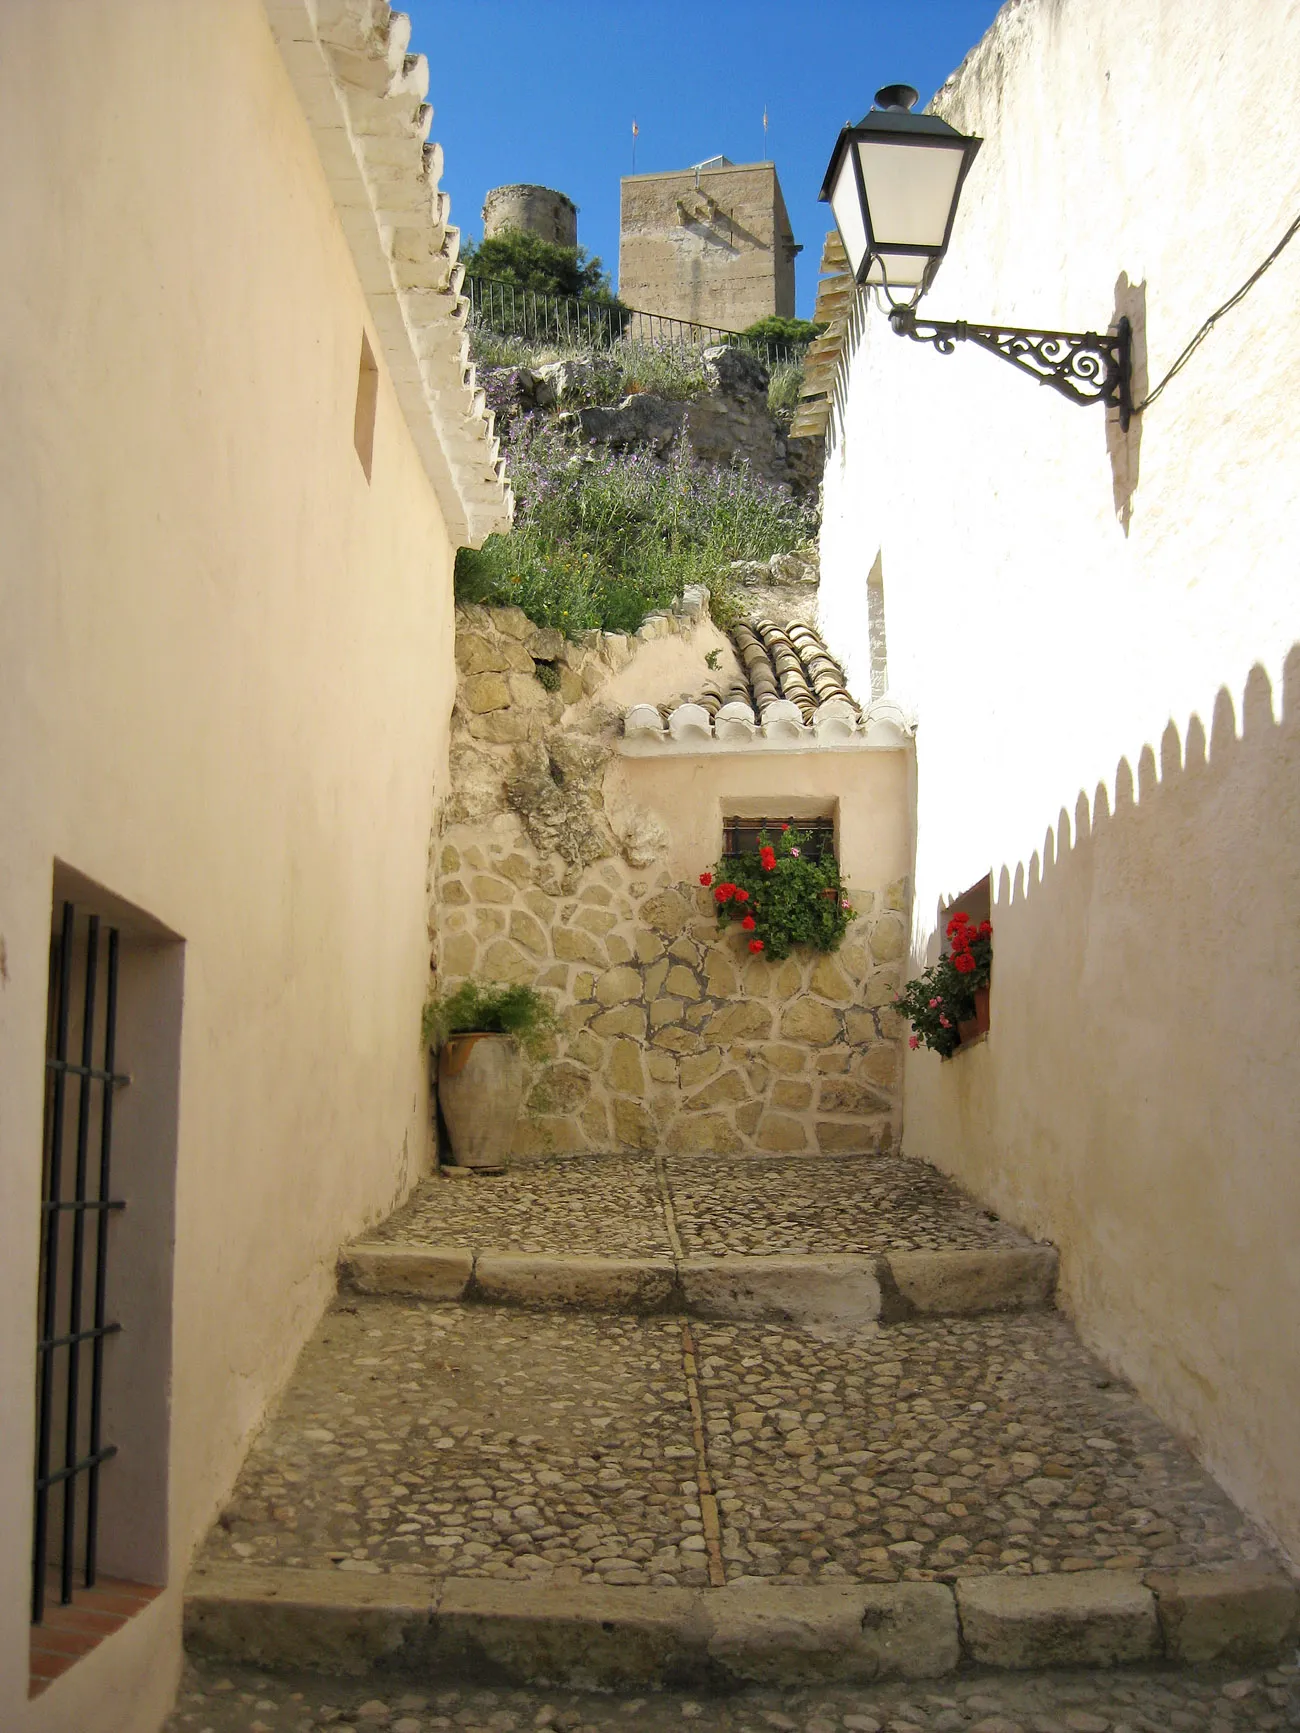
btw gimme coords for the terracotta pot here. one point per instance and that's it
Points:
(979, 1023)
(480, 1088)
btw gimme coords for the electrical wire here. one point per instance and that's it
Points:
(1214, 317)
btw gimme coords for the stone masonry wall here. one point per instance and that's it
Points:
(672, 1037)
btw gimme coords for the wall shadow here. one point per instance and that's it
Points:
(1125, 449)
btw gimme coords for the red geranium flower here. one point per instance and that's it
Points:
(742, 895)
(785, 827)
(749, 923)
(985, 928)
(706, 878)
(964, 963)
(756, 944)
(723, 893)
(768, 857)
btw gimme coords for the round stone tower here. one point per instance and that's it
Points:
(536, 210)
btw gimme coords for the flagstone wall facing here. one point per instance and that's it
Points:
(549, 872)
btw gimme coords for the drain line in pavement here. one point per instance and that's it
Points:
(670, 1214)
(690, 1365)
(703, 1479)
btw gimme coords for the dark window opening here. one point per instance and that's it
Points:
(741, 835)
(77, 1205)
(102, 1365)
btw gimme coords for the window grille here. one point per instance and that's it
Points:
(75, 1211)
(740, 835)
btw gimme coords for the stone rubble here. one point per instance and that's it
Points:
(221, 1700)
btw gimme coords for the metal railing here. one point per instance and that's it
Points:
(565, 320)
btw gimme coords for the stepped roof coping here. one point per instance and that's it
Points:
(363, 96)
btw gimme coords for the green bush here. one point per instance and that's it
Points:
(665, 370)
(784, 385)
(528, 262)
(602, 539)
(775, 329)
(783, 896)
(484, 1008)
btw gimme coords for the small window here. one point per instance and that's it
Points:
(363, 421)
(976, 902)
(740, 835)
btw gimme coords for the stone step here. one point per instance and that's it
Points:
(597, 1498)
(843, 1288)
(620, 1639)
(844, 1240)
(221, 1699)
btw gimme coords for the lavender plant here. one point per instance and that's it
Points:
(601, 539)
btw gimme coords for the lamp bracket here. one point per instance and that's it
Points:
(1082, 366)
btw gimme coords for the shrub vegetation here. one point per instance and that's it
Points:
(528, 262)
(486, 1008)
(775, 329)
(601, 539)
(783, 896)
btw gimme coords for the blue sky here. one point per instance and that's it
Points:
(546, 91)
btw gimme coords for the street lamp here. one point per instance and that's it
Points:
(893, 184)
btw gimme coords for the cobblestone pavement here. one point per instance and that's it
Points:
(1132, 1701)
(611, 1206)
(447, 1440)
(860, 1203)
(470, 1441)
(588, 1205)
(942, 1450)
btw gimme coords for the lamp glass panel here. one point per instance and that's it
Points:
(847, 210)
(899, 270)
(910, 190)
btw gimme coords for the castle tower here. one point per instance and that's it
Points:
(710, 244)
(537, 211)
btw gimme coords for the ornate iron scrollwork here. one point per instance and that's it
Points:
(1082, 366)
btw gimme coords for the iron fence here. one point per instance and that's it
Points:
(564, 320)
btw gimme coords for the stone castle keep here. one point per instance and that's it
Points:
(710, 244)
(539, 211)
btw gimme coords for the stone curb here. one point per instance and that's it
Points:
(592, 1284)
(966, 1282)
(844, 1288)
(594, 1637)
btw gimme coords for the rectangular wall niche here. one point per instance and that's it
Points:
(363, 419)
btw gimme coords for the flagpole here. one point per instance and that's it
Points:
(635, 133)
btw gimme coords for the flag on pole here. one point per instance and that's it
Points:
(764, 132)
(636, 133)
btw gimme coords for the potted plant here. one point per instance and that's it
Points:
(948, 1004)
(782, 896)
(479, 1030)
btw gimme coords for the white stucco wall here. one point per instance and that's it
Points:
(1095, 633)
(225, 681)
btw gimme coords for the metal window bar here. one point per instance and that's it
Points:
(84, 1209)
(528, 314)
(741, 836)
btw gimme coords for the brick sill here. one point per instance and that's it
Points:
(67, 1633)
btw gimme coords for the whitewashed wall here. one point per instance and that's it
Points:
(1072, 613)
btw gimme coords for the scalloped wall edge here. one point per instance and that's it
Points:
(363, 96)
